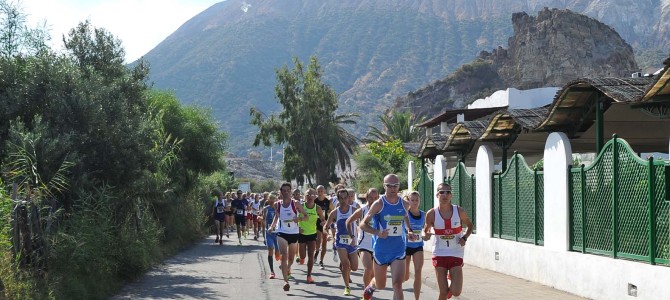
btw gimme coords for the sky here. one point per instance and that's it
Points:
(139, 24)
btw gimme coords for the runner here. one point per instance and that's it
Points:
(414, 251)
(390, 240)
(268, 215)
(219, 216)
(285, 224)
(447, 221)
(250, 222)
(240, 206)
(321, 236)
(335, 203)
(255, 212)
(344, 237)
(308, 232)
(364, 238)
(229, 215)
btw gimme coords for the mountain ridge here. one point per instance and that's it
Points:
(372, 52)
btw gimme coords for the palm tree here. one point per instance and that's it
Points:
(400, 125)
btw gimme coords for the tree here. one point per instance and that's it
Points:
(400, 125)
(314, 136)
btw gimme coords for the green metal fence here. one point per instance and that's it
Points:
(425, 187)
(518, 203)
(619, 206)
(464, 189)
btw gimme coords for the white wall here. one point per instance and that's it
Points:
(586, 275)
(517, 98)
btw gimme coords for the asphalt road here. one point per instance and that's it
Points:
(228, 271)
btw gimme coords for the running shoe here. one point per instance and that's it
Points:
(297, 260)
(367, 293)
(449, 295)
(221, 242)
(309, 279)
(277, 256)
(217, 240)
(347, 291)
(290, 277)
(239, 242)
(286, 287)
(228, 235)
(321, 267)
(272, 275)
(256, 237)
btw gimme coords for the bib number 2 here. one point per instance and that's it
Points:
(395, 228)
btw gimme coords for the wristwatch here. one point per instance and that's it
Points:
(464, 238)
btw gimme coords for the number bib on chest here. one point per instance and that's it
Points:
(395, 228)
(289, 224)
(219, 209)
(240, 212)
(345, 239)
(447, 241)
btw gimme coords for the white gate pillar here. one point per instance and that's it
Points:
(557, 157)
(439, 171)
(483, 171)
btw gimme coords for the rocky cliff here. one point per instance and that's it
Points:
(551, 49)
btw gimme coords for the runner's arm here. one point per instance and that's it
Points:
(374, 209)
(331, 219)
(430, 220)
(466, 220)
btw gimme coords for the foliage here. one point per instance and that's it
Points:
(314, 136)
(123, 166)
(400, 126)
(379, 160)
(390, 152)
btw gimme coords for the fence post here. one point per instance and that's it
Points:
(516, 196)
(582, 177)
(474, 201)
(500, 209)
(536, 208)
(615, 196)
(652, 212)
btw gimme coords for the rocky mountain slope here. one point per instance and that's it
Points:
(551, 49)
(372, 51)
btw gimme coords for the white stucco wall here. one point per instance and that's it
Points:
(483, 187)
(557, 157)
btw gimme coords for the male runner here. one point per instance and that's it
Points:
(447, 221)
(390, 240)
(285, 224)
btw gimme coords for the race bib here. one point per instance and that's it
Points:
(219, 209)
(447, 241)
(395, 228)
(240, 212)
(345, 239)
(289, 224)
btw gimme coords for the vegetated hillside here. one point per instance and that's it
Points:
(551, 49)
(372, 51)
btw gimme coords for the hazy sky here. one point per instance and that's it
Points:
(139, 24)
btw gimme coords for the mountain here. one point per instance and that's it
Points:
(551, 49)
(371, 51)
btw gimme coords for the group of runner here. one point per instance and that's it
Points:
(238, 210)
(383, 232)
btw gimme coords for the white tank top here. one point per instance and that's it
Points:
(364, 238)
(286, 217)
(256, 208)
(448, 233)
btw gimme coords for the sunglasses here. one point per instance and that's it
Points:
(390, 185)
(448, 192)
